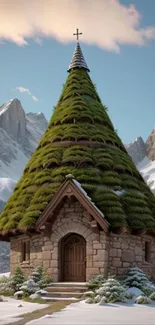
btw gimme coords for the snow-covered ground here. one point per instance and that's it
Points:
(85, 314)
(10, 311)
(7, 274)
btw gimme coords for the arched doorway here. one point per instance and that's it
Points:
(73, 258)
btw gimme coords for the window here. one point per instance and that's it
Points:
(147, 251)
(25, 251)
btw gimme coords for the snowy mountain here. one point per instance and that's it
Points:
(137, 150)
(147, 169)
(19, 135)
(143, 155)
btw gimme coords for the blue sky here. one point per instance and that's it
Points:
(125, 81)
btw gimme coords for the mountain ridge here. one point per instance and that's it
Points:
(19, 134)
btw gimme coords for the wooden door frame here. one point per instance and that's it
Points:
(61, 255)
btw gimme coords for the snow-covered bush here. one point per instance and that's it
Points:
(29, 287)
(4, 279)
(40, 276)
(36, 281)
(5, 286)
(95, 282)
(17, 279)
(149, 289)
(89, 294)
(152, 296)
(90, 300)
(97, 299)
(136, 278)
(112, 291)
(143, 300)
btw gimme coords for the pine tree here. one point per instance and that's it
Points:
(37, 274)
(136, 278)
(17, 279)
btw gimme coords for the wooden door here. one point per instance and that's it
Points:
(73, 258)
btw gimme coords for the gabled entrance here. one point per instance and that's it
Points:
(73, 258)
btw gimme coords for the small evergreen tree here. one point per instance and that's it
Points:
(17, 279)
(29, 287)
(111, 291)
(37, 274)
(40, 277)
(136, 278)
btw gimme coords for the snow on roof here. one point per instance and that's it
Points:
(119, 193)
(86, 195)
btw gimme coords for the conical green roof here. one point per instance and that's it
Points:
(81, 140)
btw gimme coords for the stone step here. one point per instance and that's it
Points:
(66, 289)
(68, 284)
(64, 294)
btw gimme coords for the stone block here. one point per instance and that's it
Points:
(117, 262)
(138, 250)
(54, 256)
(86, 215)
(54, 263)
(89, 261)
(98, 264)
(92, 271)
(98, 257)
(89, 250)
(117, 245)
(46, 255)
(106, 255)
(48, 247)
(121, 271)
(125, 264)
(97, 246)
(128, 256)
(93, 237)
(113, 252)
(46, 264)
(139, 258)
(119, 252)
(125, 246)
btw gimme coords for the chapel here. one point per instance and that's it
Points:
(81, 207)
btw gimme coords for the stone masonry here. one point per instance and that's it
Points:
(105, 253)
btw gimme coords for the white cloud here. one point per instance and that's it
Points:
(105, 23)
(35, 98)
(26, 90)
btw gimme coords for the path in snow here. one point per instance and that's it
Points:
(85, 314)
(10, 312)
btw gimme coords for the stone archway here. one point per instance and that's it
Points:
(73, 258)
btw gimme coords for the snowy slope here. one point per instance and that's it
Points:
(147, 169)
(6, 187)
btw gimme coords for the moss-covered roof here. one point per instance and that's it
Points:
(81, 140)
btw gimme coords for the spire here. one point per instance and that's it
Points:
(78, 60)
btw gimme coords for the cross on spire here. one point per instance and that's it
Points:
(77, 34)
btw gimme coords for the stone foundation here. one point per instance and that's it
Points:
(105, 254)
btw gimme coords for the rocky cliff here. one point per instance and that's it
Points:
(19, 136)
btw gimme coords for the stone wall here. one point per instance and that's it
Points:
(45, 248)
(128, 251)
(105, 254)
